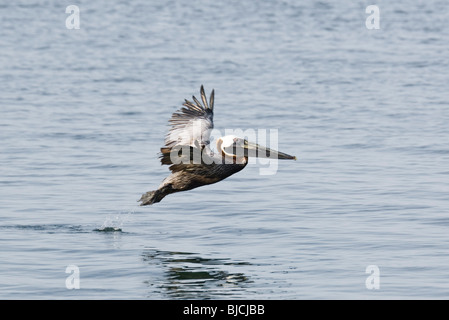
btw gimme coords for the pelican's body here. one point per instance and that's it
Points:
(187, 150)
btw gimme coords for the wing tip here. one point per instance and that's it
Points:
(211, 99)
(210, 104)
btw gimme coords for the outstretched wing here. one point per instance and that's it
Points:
(192, 124)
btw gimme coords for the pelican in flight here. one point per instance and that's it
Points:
(192, 162)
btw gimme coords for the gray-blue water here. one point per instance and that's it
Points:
(84, 113)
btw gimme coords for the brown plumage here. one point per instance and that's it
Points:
(187, 151)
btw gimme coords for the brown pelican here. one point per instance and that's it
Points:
(187, 150)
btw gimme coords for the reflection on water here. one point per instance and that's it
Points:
(189, 276)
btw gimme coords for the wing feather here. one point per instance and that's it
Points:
(211, 100)
(191, 125)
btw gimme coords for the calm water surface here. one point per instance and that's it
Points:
(84, 113)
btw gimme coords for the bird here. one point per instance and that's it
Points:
(188, 152)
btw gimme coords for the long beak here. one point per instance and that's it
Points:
(255, 150)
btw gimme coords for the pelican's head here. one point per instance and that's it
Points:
(238, 147)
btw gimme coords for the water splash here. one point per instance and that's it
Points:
(114, 223)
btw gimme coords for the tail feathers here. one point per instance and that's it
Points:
(154, 196)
